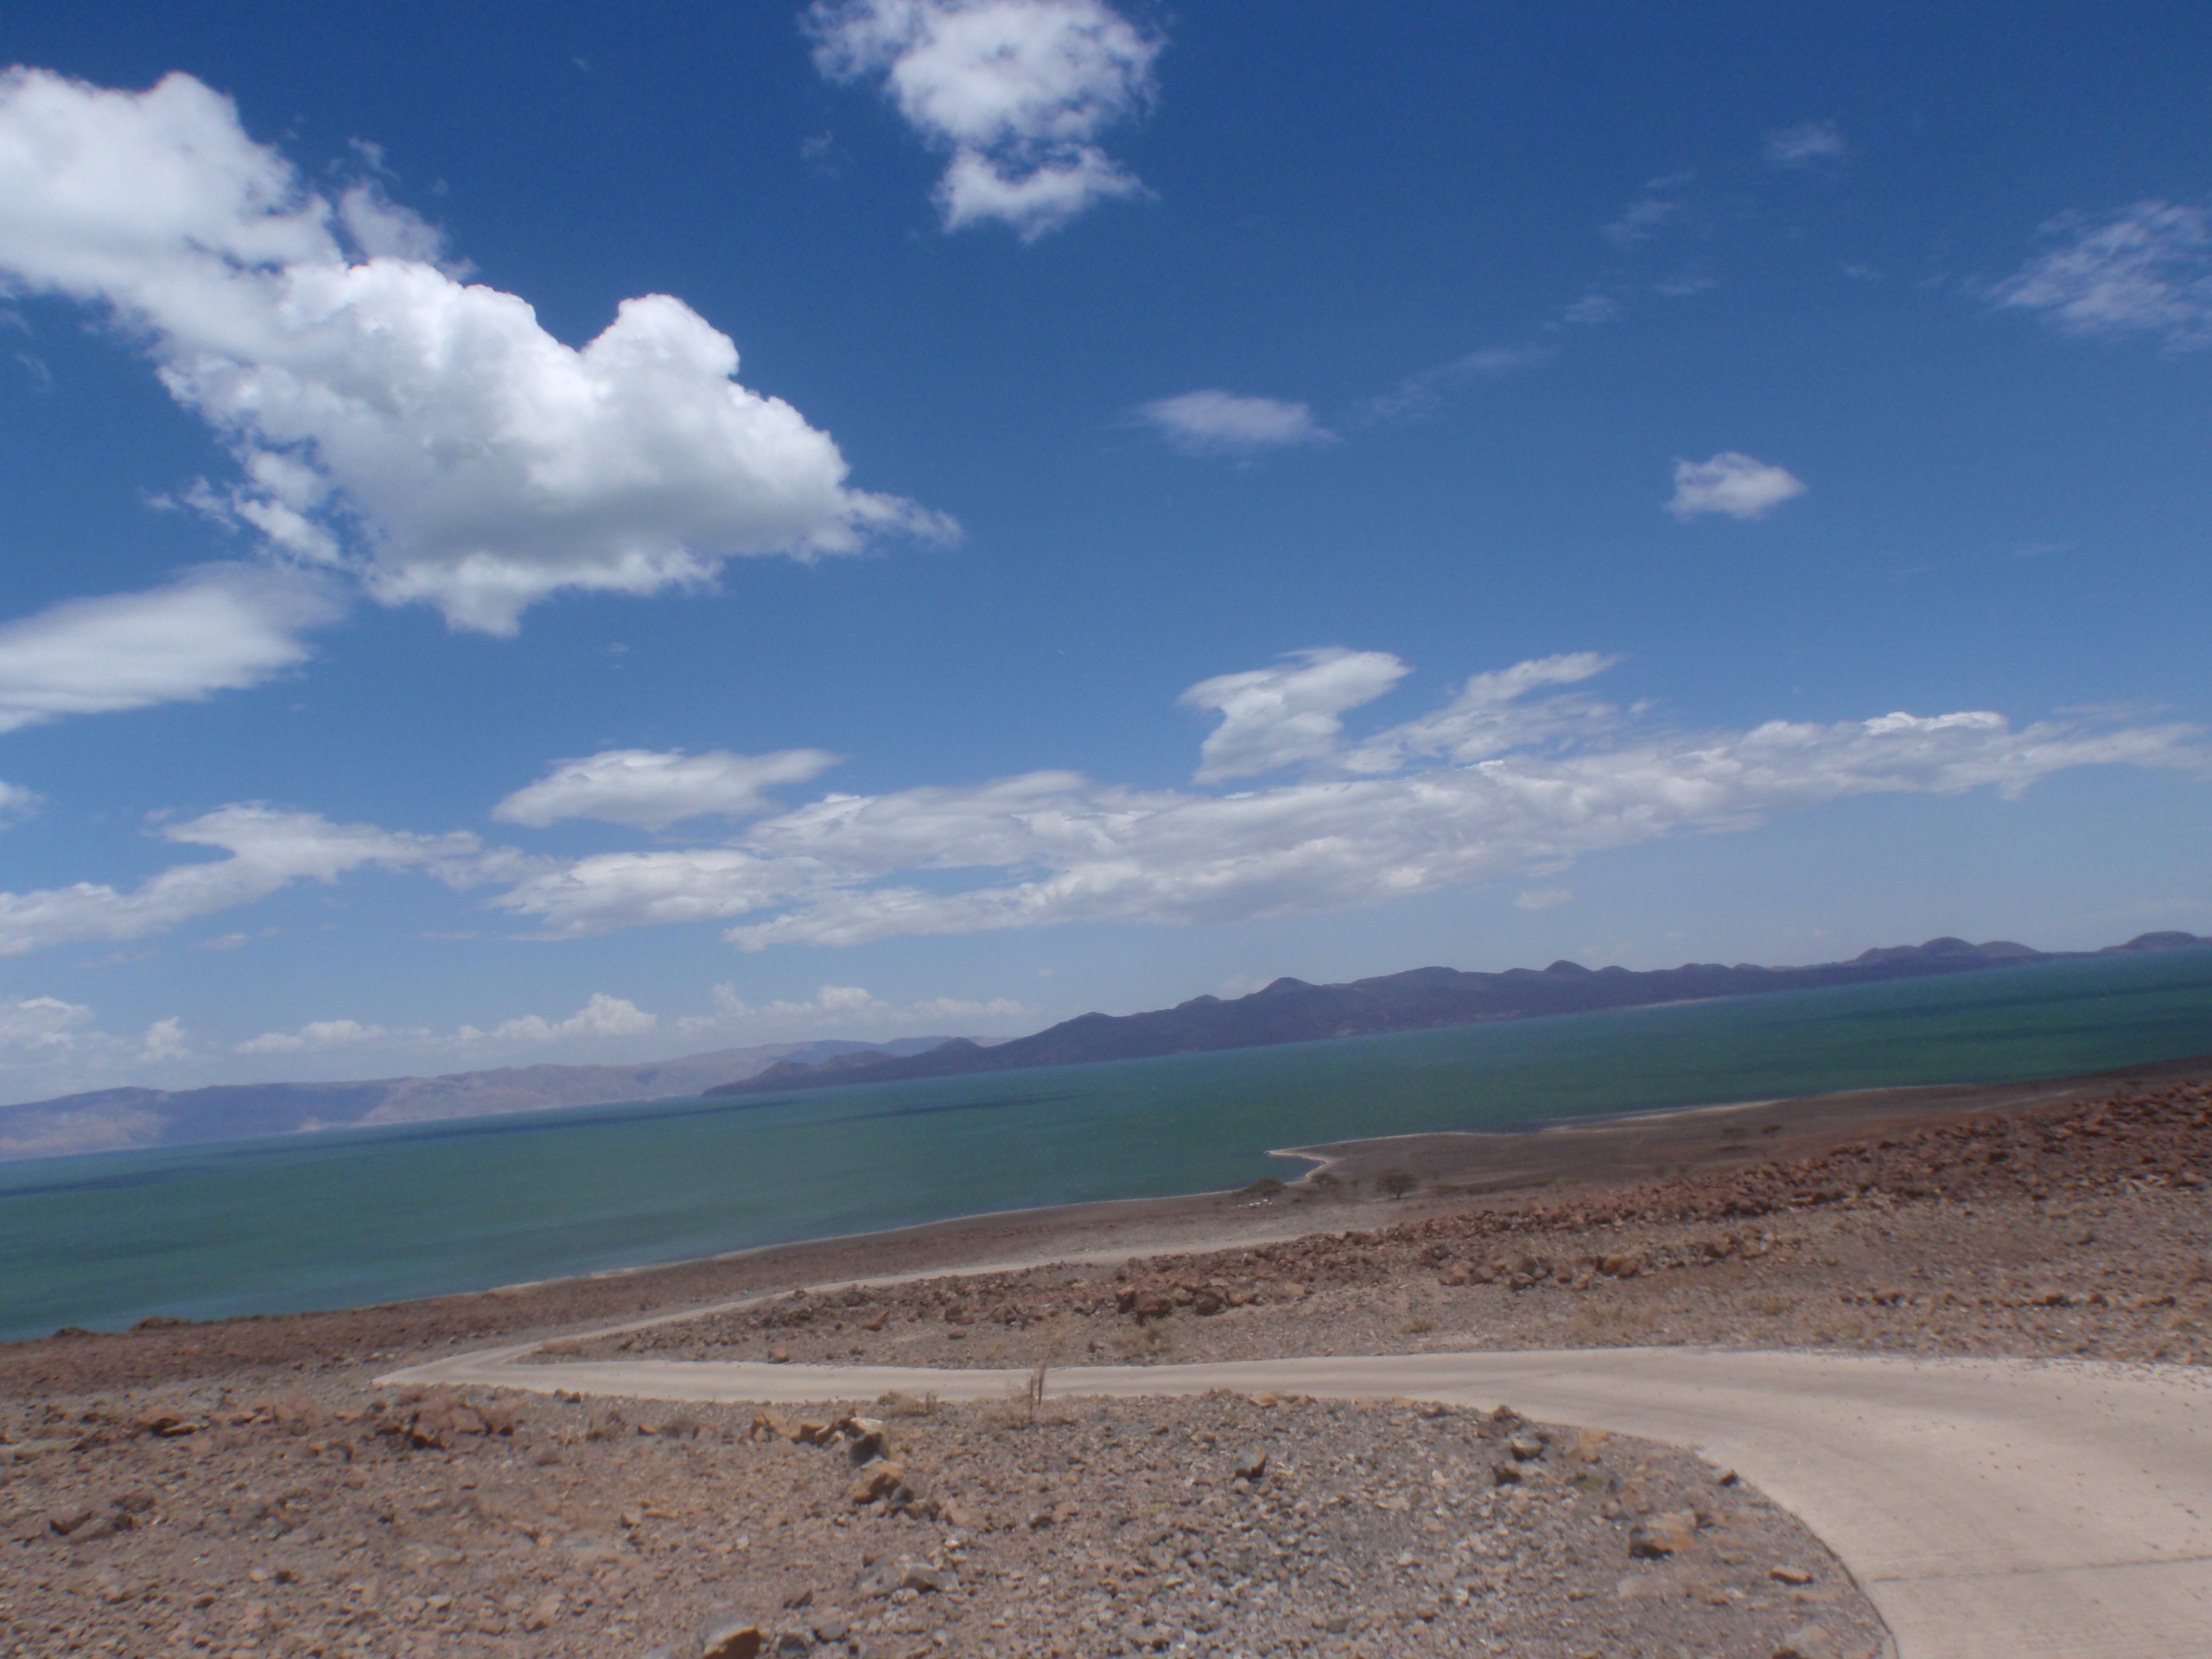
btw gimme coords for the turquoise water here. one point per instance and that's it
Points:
(347, 1217)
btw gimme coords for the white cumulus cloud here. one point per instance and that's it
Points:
(1732, 483)
(48, 1047)
(1544, 897)
(222, 628)
(2147, 269)
(600, 1016)
(1018, 91)
(1274, 717)
(43, 1026)
(651, 790)
(314, 1036)
(1213, 422)
(424, 434)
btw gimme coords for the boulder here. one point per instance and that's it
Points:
(1670, 1533)
(882, 1478)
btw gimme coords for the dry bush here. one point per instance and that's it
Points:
(1152, 1340)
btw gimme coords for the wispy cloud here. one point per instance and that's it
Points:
(1509, 779)
(222, 628)
(1019, 92)
(1518, 773)
(1417, 394)
(1275, 717)
(2147, 269)
(265, 850)
(1217, 423)
(603, 1021)
(845, 1007)
(1733, 484)
(649, 790)
(1641, 221)
(1592, 309)
(1810, 143)
(1659, 205)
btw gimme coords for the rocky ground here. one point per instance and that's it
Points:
(327, 1521)
(2086, 1231)
(242, 1487)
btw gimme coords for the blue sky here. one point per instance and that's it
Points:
(551, 534)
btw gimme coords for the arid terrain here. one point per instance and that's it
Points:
(245, 1488)
(2083, 1229)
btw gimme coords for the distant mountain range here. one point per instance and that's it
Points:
(118, 1119)
(1288, 1011)
(1292, 1011)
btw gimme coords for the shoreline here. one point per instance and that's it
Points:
(1458, 1172)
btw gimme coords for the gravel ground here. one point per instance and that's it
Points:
(2087, 1233)
(325, 1523)
(240, 1489)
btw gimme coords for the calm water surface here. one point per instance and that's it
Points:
(346, 1217)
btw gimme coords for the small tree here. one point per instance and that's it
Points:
(1395, 1182)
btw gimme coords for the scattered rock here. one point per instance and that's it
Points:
(1669, 1534)
(880, 1479)
(731, 1639)
(1808, 1641)
(921, 1576)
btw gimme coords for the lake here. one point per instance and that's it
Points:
(346, 1217)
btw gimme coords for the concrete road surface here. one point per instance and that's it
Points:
(1993, 1509)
